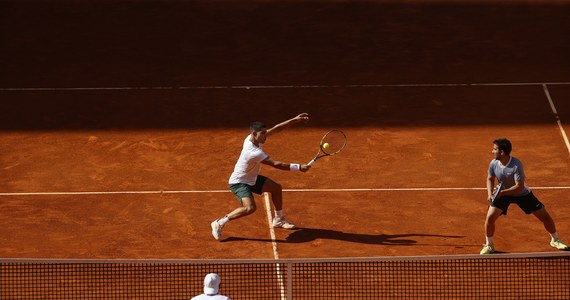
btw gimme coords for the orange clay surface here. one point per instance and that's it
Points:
(141, 173)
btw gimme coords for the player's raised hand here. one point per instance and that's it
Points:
(303, 117)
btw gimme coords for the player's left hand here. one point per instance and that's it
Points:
(303, 117)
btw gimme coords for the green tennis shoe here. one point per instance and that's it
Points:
(558, 244)
(487, 249)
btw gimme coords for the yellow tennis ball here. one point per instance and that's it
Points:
(326, 145)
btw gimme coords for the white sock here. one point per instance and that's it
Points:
(279, 214)
(223, 220)
(554, 236)
(489, 240)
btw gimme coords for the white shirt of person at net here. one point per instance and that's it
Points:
(211, 288)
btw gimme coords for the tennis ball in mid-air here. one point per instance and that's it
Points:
(326, 145)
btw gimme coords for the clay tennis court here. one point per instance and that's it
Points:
(121, 123)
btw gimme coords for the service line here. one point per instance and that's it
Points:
(320, 190)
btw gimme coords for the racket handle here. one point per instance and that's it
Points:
(311, 162)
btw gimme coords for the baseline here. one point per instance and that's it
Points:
(31, 89)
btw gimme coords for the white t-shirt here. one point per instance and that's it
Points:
(248, 164)
(210, 297)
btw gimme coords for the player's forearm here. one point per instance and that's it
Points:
(490, 183)
(513, 190)
(281, 165)
(289, 166)
(285, 124)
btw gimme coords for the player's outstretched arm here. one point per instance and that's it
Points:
(286, 166)
(304, 117)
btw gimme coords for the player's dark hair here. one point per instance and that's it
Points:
(504, 145)
(257, 126)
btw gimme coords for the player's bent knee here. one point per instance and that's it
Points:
(250, 209)
(491, 218)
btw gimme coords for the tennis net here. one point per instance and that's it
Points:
(500, 276)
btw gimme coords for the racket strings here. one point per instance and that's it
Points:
(335, 140)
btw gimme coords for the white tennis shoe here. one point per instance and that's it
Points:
(282, 223)
(217, 230)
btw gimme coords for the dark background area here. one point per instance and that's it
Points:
(223, 43)
(204, 46)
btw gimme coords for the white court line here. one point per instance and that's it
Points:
(247, 87)
(555, 112)
(324, 190)
(269, 223)
(274, 244)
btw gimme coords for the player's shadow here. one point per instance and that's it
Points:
(305, 235)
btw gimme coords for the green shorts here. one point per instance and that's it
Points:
(242, 190)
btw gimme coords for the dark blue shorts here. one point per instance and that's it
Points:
(242, 190)
(528, 203)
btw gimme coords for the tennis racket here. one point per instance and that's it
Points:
(331, 143)
(496, 192)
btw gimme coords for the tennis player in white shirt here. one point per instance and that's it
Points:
(245, 179)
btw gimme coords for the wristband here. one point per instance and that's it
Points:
(294, 167)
